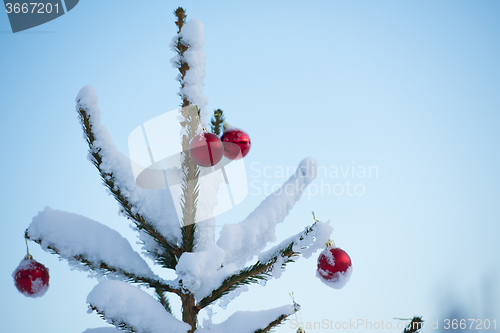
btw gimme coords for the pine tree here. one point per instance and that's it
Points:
(180, 247)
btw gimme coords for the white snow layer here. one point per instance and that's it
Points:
(205, 269)
(304, 243)
(310, 242)
(242, 241)
(192, 35)
(102, 330)
(121, 302)
(74, 235)
(247, 321)
(201, 272)
(155, 205)
(339, 279)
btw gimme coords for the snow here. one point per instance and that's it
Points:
(75, 235)
(201, 271)
(247, 321)
(205, 269)
(210, 183)
(244, 240)
(150, 246)
(87, 99)
(192, 35)
(277, 267)
(214, 280)
(155, 205)
(38, 287)
(305, 243)
(121, 302)
(314, 241)
(338, 281)
(193, 266)
(226, 299)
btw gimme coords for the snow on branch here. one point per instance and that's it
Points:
(130, 308)
(201, 271)
(244, 240)
(307, 242)
(272, 262)
(78, 238)
(251, 321)
(190, 60)
(152, 211)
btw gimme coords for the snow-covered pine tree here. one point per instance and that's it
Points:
(207, 270)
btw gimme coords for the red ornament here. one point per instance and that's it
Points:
(31, 278)
(206, 149)
(236, 143)
(334, 266)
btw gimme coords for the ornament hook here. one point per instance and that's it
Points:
(28, 255)
(295, 304)
(314, 217)
(330, 243)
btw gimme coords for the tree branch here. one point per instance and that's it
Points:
(106, 269)
(273, 324)
(119, 324)
(257, 272)
(218, 122)
(190, 170)
(173, 252)
(163, 300)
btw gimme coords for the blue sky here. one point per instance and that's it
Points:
(408, 87)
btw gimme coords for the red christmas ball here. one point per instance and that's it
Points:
(236, 143)
(334, 267)
(206, 149)
(31, 278)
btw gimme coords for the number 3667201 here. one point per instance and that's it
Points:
(470, 323)
(32, 7)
